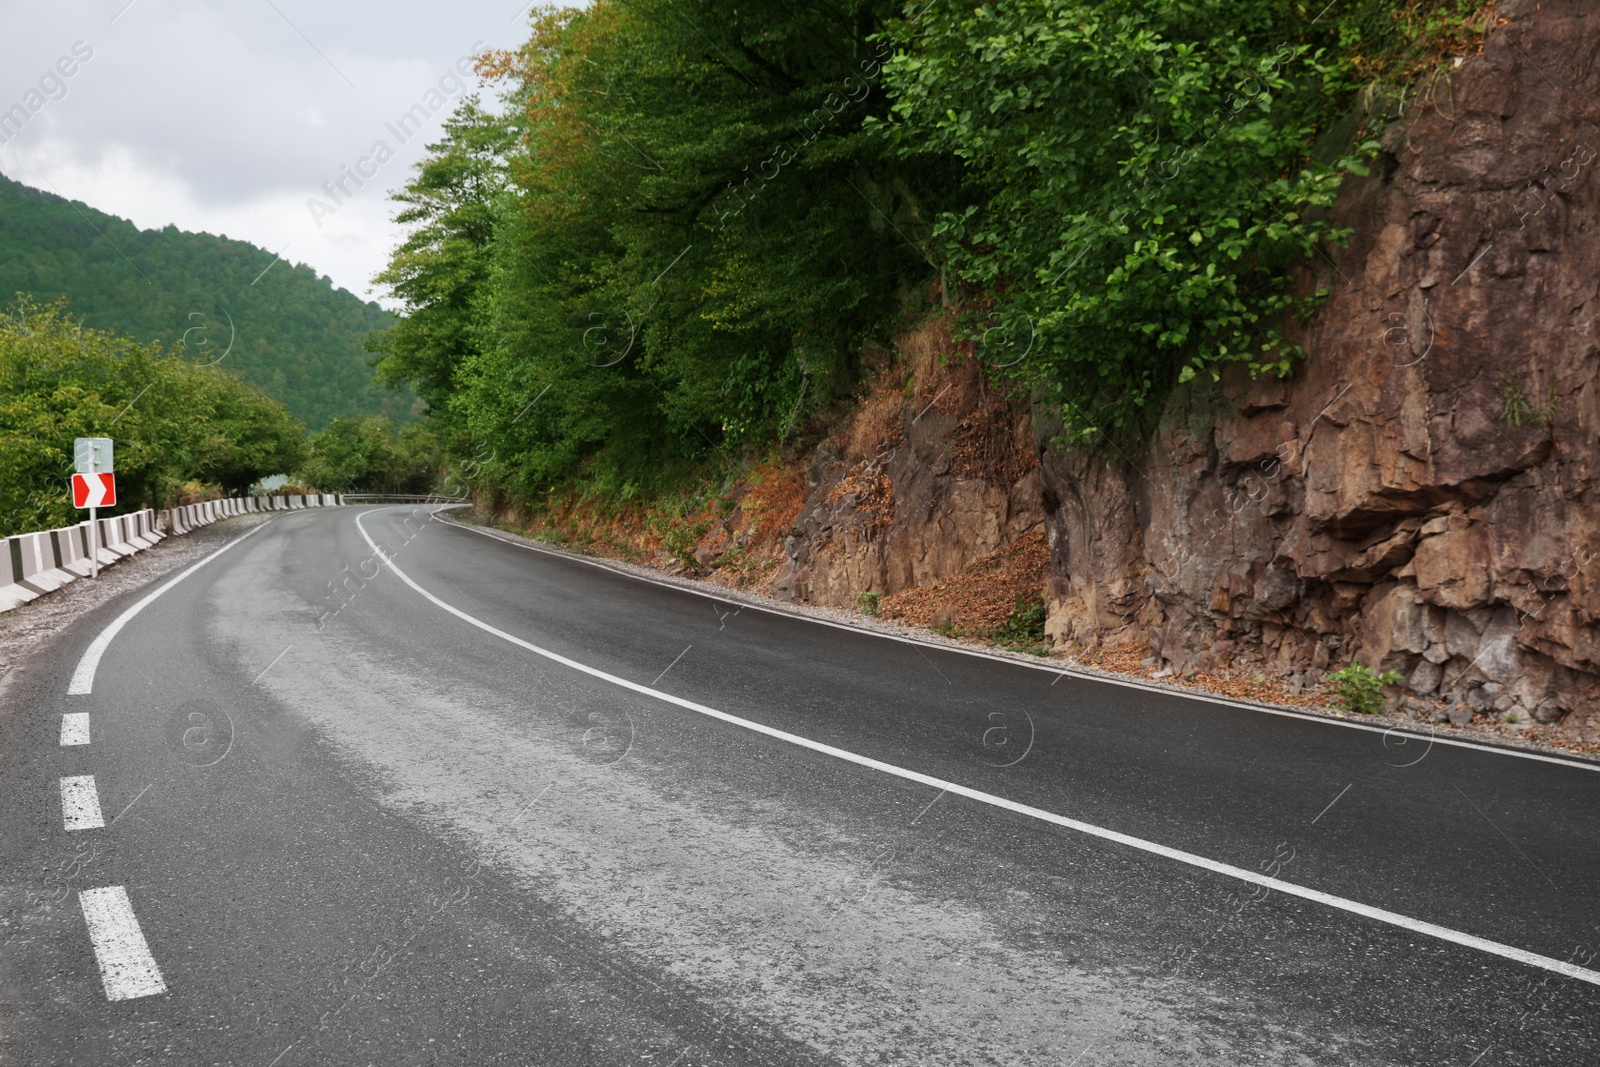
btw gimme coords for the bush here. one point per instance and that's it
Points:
(1360, 689)
(870, 601)
(174, 422)
(681, 540)
(1023, 630)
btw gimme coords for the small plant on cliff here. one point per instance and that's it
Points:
(870, 601)
(1023, 630)
(1519, 410)
(681, 539)
(1360, 689)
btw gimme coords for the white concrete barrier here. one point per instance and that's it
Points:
(39, 563)
(113, 539)
(139, 533)
(73, 543)
(33, 564)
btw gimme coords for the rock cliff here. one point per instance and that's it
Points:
(933, 473)
(1420, 493)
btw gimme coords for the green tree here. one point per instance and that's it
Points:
(250, 436)
(673, 245)
(441, 272)
(369, 456)
(1138, 184)
(173, 421)
(697, 237)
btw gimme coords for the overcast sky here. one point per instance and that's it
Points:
(229, 115)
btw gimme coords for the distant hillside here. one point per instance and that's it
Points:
(295, 337)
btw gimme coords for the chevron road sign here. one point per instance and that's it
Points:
(94, 490)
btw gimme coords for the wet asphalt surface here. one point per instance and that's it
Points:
(356, 829)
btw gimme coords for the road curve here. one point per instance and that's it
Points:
(372, 788)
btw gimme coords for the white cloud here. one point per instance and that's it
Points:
(227, 116)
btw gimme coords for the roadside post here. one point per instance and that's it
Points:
(93, 486)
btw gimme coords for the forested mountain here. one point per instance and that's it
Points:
(293, 335)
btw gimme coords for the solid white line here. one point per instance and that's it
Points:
(1404, 922)
(126, 966)
(83, 676)
(80, 803)
(1127, 683)
(75, 728)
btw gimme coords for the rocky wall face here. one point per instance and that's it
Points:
(899, 520)
(917, 488)
(1420, 494)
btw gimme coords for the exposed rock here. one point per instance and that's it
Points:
(1391, 502)
(917, 487)
(1425, 678)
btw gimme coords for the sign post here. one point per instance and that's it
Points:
(92, 486)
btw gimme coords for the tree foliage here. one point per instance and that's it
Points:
(675, 240)
(442, 272)
(369, 456)
(173, 421)
(1139, 183)
(691, 237)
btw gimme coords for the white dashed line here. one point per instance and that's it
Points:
(80, 803)
(126, 966)
(75, 728)
(1205, 863)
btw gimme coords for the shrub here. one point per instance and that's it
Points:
(1023, 630)
(1360, 689)
(682, 538)
(870, 601)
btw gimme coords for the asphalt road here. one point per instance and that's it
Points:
(455, 800)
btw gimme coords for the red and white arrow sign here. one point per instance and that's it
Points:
(94, 490)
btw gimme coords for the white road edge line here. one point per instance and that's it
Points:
(80, 803)
(75, 728)
(1404, 922)
(83, 676)
(1126, 683)
(126, 966)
